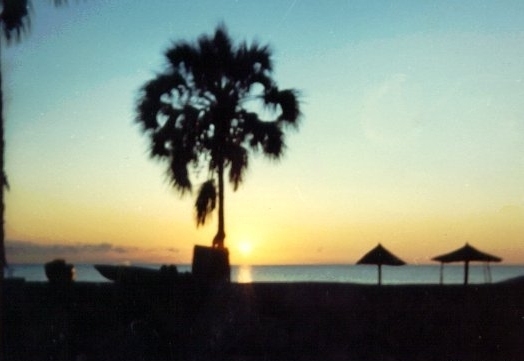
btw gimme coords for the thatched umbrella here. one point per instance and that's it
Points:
(465, 254)
(379, 256)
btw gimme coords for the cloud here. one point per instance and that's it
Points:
(33, 252)
(26, 247)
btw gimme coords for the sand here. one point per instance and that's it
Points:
(263, 321)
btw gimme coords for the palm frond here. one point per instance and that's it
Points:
(287, 102)
(263, 135)
(273, 143)
(206, 201)
(182, 57)
(163, 136)
(238, 159)
(252, 64)
(222, 44)
(154, 95)
(15, 19)
(179, 174)
(5, 181)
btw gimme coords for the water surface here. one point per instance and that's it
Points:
(423, 274)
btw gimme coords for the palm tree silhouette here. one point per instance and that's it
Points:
(14, 23)
(213, 104)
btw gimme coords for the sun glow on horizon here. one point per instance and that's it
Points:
(245, 275)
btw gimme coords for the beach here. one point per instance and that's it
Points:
(263, 321)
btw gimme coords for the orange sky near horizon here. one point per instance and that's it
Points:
(312, 238)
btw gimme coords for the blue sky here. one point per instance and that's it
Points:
(412, 134)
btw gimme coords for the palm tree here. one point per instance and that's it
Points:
(14, 22)
(214, 103)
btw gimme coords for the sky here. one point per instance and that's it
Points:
(412, 132)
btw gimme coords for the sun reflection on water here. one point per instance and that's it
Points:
(245, 274)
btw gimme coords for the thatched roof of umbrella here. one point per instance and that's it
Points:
(380, 256)
(466, 254)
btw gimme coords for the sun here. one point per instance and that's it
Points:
(245, 248)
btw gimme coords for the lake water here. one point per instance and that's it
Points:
(364, 274)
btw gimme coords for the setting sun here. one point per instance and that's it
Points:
(245, 248)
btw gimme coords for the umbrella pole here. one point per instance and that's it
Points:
(441, 272)
(379, 274)
(466, 272)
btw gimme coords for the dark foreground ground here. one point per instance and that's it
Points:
(293, 321)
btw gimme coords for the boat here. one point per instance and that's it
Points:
(136, 274)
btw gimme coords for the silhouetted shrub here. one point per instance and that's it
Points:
(58, 271)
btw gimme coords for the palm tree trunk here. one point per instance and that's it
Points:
(218, 241)
(3, 261)
(3, 180)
